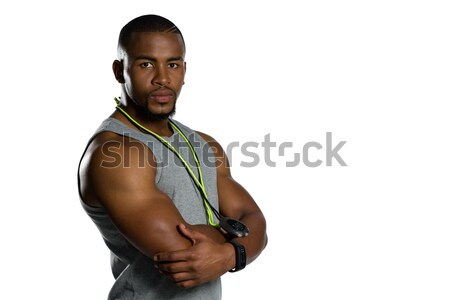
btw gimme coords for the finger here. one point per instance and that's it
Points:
(174, 256)
(186, 284)
(188, 233)
(191, 234)
(171, 268)
(179, 277)
(184, 280)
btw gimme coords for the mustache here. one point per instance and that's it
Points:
(162, 89)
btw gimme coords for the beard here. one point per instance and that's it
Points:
(160, 116)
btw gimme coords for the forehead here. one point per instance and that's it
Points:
(155, 44)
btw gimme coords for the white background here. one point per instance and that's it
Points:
(374, 73)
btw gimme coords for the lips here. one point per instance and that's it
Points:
(162, 95)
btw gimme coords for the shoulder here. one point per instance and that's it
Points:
(212, 142)
(113, 160)
(222, 163)
(115, 150)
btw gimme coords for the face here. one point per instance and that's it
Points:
(153, 72)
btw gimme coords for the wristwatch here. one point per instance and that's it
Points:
(232, 228)
(241, 256)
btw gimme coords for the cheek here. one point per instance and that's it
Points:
(180, 81)
(139, 84)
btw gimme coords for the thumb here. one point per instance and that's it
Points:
(191, 234)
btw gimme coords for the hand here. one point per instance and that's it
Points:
(204, 261)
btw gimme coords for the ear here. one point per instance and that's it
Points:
(118, 71)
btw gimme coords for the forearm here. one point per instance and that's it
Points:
(256, 240)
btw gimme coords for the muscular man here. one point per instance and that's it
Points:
(158, 190)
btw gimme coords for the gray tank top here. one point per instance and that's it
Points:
(136, 278)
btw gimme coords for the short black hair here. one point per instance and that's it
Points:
(146, 23)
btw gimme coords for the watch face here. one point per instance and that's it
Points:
(234, 227)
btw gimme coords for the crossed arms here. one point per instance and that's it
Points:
(189, 254)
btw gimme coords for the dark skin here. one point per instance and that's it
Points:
(151, 72)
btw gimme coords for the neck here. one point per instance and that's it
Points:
(159, 126)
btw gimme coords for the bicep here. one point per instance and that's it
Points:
(144, 215)
(234, 200)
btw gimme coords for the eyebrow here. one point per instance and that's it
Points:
(146, 57)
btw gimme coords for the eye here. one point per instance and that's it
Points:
(147, 64)
(173, 65)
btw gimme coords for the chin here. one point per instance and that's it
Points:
(161, 115)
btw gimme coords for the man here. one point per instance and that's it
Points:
(160, 193)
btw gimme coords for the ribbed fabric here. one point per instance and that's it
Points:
(136, 278)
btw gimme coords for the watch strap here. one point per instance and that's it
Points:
(241, 256)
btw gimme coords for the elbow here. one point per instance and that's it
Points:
(266, 240)
(160, 236)
(168, 238)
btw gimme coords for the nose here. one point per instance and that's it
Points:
(161, 77)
